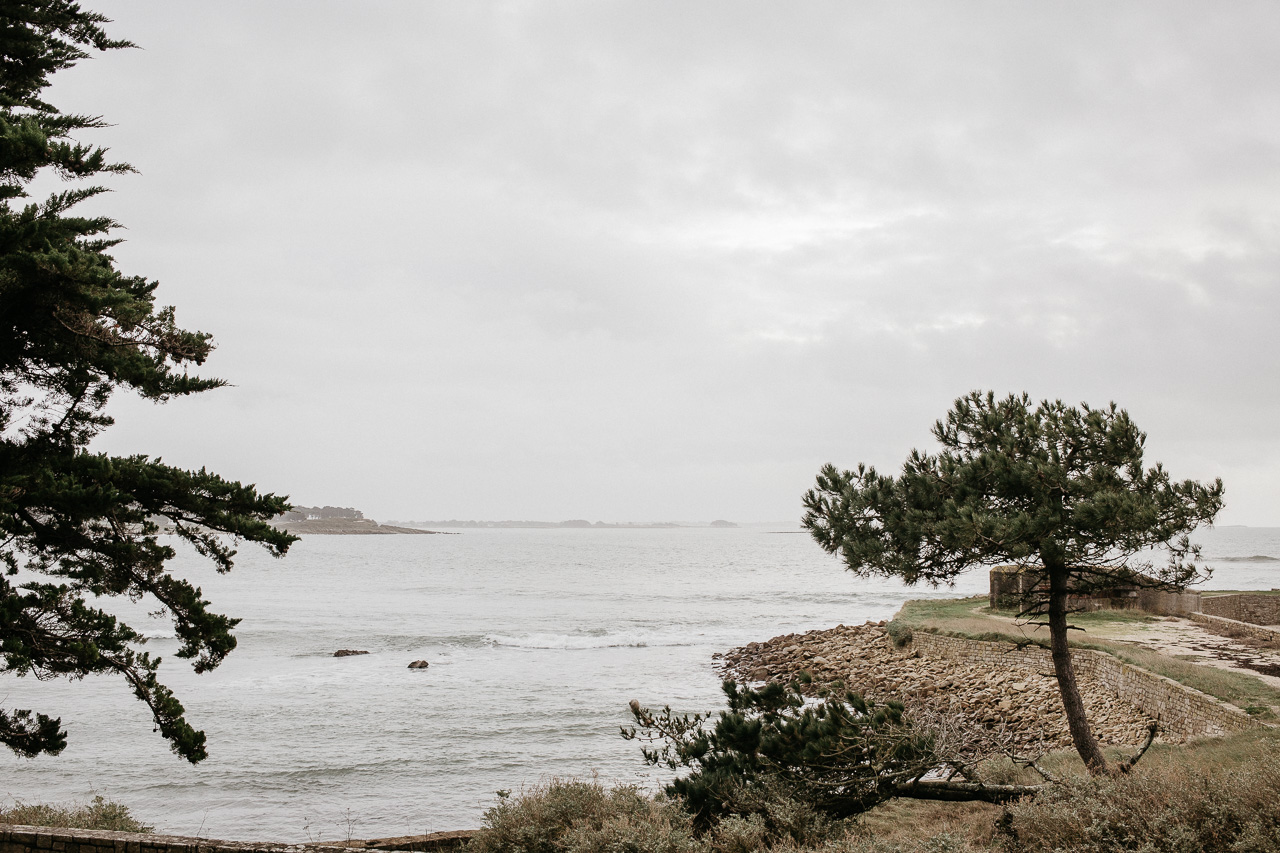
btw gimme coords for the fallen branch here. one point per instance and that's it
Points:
(959, 792)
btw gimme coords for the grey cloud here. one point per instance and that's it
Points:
(635, 259)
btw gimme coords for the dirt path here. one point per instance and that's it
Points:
(1186, 640)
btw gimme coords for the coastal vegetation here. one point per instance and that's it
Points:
(100, 813)
(1213, 795)
(74, 330)
(1060, 491)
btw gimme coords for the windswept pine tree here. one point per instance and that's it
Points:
(75, 525)
(1058, 490)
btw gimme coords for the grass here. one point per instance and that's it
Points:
(907, 823)
(1212, 795)
(99, 814)
(973, 619)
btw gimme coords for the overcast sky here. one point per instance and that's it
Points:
(647, 261)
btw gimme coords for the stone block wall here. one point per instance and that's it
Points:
(43, 839)
(1257, 609)
(1169, 603)
(1180, 709)
(1234, 627)
(1010, 586)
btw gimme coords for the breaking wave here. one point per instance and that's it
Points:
(610, 640)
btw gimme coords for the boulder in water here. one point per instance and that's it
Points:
(419, 664)
(346, 653)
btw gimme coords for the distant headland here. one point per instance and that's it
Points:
(336, 521)
(574, 523)
(339, 520)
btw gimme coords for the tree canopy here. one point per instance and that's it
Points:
(1059, 490)
(75, 525)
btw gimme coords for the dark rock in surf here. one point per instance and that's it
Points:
(346, 653)
(419, 664)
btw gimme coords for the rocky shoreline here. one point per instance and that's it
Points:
(1018, 704)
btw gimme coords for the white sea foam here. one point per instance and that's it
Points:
(614, 640)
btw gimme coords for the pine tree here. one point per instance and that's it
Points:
(73, 329)
(1058, 490)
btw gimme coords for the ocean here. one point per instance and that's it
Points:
(536, 638)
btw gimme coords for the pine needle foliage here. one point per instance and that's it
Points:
(73, 330)
(1061, 491)
(839, 754)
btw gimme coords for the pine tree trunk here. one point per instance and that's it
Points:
(1086, 744)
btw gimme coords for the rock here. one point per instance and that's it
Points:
(346, 653)
(419, 664)
(1022, 700)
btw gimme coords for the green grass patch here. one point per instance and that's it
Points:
(971, 618)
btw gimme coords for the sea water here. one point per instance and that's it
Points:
(536, 640)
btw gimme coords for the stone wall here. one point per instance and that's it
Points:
(1169, 603)
(1181, 710)
(1010, 586)
(1236, 628)
(1257, 609)
(43, 839)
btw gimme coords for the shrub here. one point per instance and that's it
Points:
(900, 633)
(840, 754)
(99, 814)
(562, 816)
(569, 816)
(769, 813)
(1166, 809)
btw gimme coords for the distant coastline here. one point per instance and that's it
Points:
(577, 523)
(345, 527)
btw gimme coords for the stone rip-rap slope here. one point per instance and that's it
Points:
(1014, 701)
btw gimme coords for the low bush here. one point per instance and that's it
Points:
(900, 633)
(1164, 808)
(99, 814)
(569, 816)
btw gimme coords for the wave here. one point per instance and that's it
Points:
(1256, 558)
(613, 640)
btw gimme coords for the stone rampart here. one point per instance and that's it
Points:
(43, 839)
(1010, 587)
(1255, 609)
(1169, 603)
(1181, 710)
(1236, 628)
